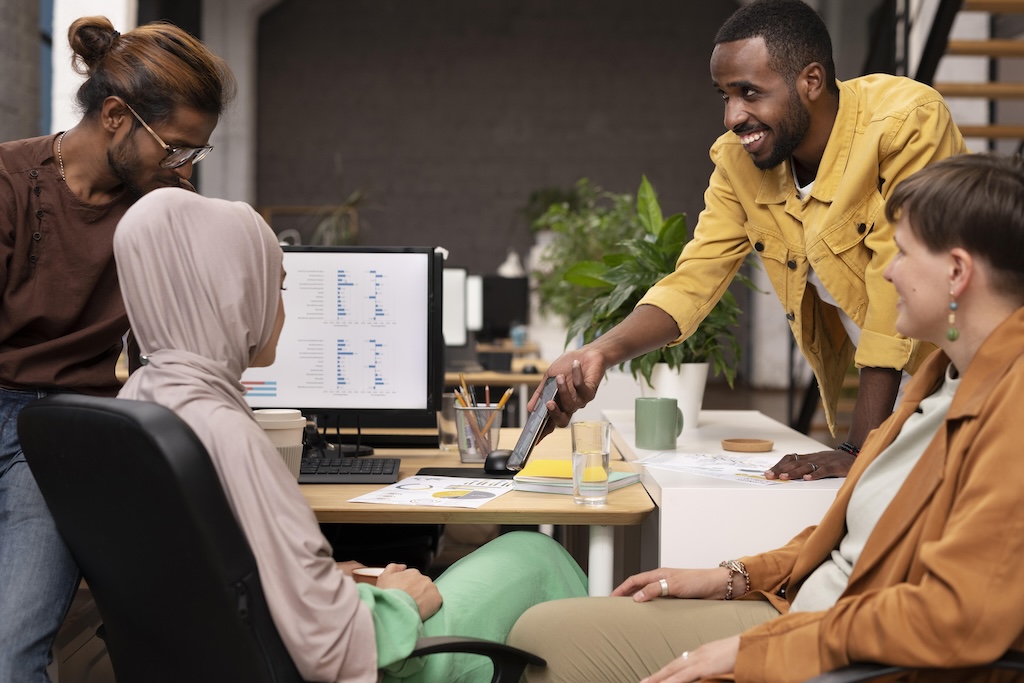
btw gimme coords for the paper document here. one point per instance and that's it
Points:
(745, 468)
(448, 492)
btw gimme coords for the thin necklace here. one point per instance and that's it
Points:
(60, 157)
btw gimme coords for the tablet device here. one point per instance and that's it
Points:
(535, 424)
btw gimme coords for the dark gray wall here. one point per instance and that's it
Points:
(450, 112)
(19, 77)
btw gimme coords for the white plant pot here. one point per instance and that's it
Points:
(686, 385)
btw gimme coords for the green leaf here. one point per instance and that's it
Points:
(612, 260)
(587, 274)
(647, 207)
(673, 233)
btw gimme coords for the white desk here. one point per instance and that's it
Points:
(702, 520)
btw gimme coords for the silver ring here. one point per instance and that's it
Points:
(814, 467)
(684, 656)
(664, 587)
(795, 457)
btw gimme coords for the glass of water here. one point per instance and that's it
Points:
(591, 445)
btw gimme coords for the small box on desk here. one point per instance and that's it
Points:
(496, 361)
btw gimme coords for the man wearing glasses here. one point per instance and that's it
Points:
(176, 158)
(61, 314)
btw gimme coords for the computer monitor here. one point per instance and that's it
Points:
(362, 336)
(474, 303)
(453, 325)
(506, 302)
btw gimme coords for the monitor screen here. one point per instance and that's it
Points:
(362, 332)
(506, 302)
(474, 302)
(454, 313)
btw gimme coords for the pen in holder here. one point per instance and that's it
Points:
(478, 428)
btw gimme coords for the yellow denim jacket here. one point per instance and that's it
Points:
(886, 128)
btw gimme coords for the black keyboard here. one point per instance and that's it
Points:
(349, 470)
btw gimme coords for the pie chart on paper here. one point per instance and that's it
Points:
(467, 494)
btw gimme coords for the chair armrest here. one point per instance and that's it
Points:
(1013, 660)
(509, 662)
(854, 673)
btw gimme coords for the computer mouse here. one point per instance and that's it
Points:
(496, 461)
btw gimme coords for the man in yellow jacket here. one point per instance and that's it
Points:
(801, 177)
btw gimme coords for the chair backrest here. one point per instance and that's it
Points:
(137, 499)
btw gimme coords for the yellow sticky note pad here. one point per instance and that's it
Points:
(547, 467)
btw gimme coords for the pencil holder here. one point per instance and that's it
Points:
(478, 428)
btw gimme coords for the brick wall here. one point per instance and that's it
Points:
(450, 112)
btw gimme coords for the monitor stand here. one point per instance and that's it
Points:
(353, 449)
(315, 444)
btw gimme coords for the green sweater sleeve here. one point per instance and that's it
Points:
(396, 626)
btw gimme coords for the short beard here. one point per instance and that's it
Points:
(123, 161)
(789, 133)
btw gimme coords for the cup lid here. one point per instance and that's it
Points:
(277, 414)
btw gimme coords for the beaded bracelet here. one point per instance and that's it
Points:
(735, 566)
(848, 447)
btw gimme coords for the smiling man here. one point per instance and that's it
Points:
(801, 177)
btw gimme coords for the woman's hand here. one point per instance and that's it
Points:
(710, 659)
(420, 587)
(678, 583)
(811, 466)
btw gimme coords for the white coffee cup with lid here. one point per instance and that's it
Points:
(284, 426)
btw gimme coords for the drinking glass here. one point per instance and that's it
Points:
(591, 445)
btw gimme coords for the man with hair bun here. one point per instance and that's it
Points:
(151, 99)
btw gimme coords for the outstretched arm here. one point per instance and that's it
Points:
(580, 372)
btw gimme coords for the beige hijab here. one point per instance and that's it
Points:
(201, 283)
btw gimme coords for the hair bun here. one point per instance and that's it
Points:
(91, 39)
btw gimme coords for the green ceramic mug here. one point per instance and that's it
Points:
(658, 422)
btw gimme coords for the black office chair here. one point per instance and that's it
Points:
(136, 498)
(855, 673)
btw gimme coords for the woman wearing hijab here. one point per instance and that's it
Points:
(917, 563)
(201, 280)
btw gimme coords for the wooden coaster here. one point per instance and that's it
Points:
(747, 445)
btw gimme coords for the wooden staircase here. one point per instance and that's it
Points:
(994, 49)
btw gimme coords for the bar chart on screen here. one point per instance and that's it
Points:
(355, 333)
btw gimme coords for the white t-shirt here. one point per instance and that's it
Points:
(873, 493)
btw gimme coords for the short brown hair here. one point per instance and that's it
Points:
(155, 68)
(972, 201)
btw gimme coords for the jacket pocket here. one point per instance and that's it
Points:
(847, 239)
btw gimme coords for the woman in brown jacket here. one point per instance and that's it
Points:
(917, 562)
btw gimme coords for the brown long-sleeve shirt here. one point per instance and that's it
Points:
(61, 313)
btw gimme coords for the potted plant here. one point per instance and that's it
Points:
(607, 289)
(584, 224)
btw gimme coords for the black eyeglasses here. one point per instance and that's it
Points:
(176, 156)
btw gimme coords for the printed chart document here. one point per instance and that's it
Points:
(447, 492)
(747, 468)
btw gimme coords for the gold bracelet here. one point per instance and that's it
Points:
(735, 566)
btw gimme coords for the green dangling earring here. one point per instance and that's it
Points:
(952, 334)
